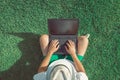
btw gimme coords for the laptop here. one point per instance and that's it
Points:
(63, 30)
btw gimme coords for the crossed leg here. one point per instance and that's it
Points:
(82, 44)
(44, 40)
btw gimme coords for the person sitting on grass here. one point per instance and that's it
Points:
(59, 67)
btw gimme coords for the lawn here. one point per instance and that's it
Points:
(23, 21)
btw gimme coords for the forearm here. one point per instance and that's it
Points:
(43, 66)
(78, 64)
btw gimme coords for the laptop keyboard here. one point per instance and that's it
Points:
(62, 41)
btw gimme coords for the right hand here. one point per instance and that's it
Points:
(54, 46)
(70, 48)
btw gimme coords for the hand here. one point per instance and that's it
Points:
(54, 46)
(70, 48)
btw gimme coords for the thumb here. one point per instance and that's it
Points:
(66, 48)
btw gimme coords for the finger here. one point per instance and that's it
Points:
(68, 45)
(51, 42)
(56, 44)
(72, 42)
(66, 48)
(55, 41)
(69, 41)
(58, 47)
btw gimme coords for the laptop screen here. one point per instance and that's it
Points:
(63, 26)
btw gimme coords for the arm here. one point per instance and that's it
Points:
(70, 48)
(52, 48)
(78, 64)
(43, 66)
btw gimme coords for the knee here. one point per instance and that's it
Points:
(43, 36)
(83, 38)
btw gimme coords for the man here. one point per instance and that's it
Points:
(58, 67)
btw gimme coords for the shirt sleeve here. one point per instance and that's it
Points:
(40, 76)
(81, 76)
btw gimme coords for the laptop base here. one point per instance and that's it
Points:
(62, 42)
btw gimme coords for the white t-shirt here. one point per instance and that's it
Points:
(78, 75)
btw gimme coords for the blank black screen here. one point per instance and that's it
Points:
(63, 26)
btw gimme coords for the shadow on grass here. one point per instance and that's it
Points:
(27, 65)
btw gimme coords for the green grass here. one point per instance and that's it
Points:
(23, 21)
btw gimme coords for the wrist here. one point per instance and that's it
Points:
(73, 55)
(49, 53)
